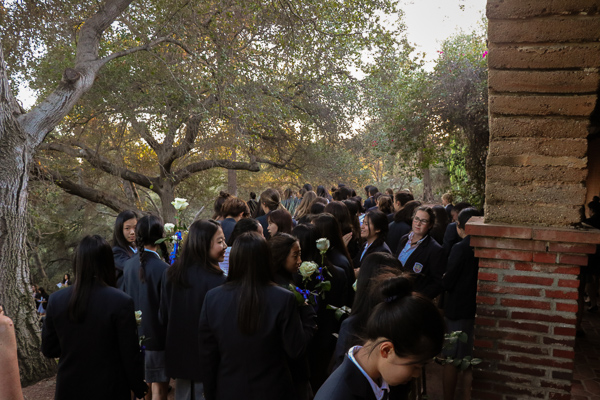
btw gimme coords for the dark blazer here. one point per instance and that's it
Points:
(265, 224)
(430, 256)
(396, 231)
(369, 203)
(378, 246)
(100, 357)
(180, 312)
(347, 337)
(460, 281)
(235, 365)
(345, 383)
(120, 256)
(338, 259)
(449, 209)
(146, 297)
(227, 225)
(450, 238)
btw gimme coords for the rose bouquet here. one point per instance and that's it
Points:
(313, 278)
(175, 232)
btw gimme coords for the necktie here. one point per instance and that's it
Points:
(386, 394)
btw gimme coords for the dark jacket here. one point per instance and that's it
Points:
(460, 281)
(346, 383)
(450, 238)
(227, 225)
(180, 312)
(120, 256)
(378, 246)
(146, 297)
(265, 224)
(100, 357)
(235, 365)
(338, 259)
(428, 262)
(396, 231)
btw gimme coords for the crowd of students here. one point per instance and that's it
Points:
(225, 322)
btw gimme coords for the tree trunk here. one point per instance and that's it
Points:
(15, 289)
(167, 195)
(427, 189)
(232, 178)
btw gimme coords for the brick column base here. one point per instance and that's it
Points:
(526, 306)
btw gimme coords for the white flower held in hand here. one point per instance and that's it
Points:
(180, 204)
(138, 317)
(307, 268)
(169, 227)
(323, 245)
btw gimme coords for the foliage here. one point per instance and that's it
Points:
(451, 341)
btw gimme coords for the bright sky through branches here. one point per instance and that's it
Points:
(430, 22)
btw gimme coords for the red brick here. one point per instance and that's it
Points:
(530, 316)
(476, 227)
(486, 300)
(509, 290)
(548, 258)
(515, 303)
(500, 377)
(548, 268)
(503, 254)
(485, 321)
(491, 312)
(524, 326)
(559, 396)
(560, 294)
(497, 264)
(571, 283)
(559, 330)
(521, 370)
(569, 343)
(572, 248)
(555, 385)
(489, 355)
(549, 29)
(567, 376)
(518, 337)
(573, 259)
(523, 392)
(538, 361)
(488, 344)
(511, 244)
(567, 307)
(536, 350)
(567, 235)
(532, 280)
(563, 353)
(482, 385)
(486, 276)
(483, 395)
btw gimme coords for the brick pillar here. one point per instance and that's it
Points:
(526, 305)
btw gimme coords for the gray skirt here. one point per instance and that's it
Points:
(155, 366)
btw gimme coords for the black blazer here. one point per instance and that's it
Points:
(227, 225)
(265, 224)
(235, 365)
(431, 265)
(450, 238)
(369, 203)
(100, 357)
(338, 259)
(146, 297)
(378, 246)
(345, 383)
(180, 312)
(120, 256)
(396, 231)
(460, 281)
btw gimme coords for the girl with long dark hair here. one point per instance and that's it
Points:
(279, 221)
(195, 272)
(373, 231)
(142, 280)
(90, 326)
(248, 327)
(123, 242)
(243, 225)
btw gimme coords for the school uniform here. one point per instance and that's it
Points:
(100, 357)
(395, 232)
(121, 256)
(338, 259)
(369, 203)
(427, 262)
(235, 365)
(378, 246)
(263, 220)
(450, 238)
(227, 225)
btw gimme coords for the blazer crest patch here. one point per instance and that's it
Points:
(417, 268)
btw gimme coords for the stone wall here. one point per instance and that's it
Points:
(544, 59)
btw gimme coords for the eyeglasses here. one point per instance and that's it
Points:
(420, 221)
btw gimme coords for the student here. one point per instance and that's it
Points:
(242, 226)
(450, 236)
(218, 206)
(402, 223)
(248, 329)
(142, 280)
(447, 200)
(269, 202)
(234, 209)
(420, 254)
(403, 333)
(123, 241)
(460, 283)
(303, 209)
(91, 328)
(184, 287)
(279, 221)
(374, 231)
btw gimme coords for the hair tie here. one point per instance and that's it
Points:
(390, 299)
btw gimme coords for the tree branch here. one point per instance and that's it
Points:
(191, 169)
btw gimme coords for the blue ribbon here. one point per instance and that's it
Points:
(173, 255)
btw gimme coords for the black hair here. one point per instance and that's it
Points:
(322, 192)
(250, 269)
(118, 238)
(147, 231)
(353, 208)
(195, 251)
(253, 195)
(458, 207)
(403, 197)
(340, 211)
(242, 226)
(380, 222)
(329, 228)
(218, 205)
(308, 187)
(465, 215)
(281, 245)
(344, 193)
(373, 190)
(93, 261)
(283, 219)
(406, 213)
(307, 236)
(409, 320)
(317, 207)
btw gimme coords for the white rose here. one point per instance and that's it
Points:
(138, 317)
(169, 227)
(180, 204)
(175, 238)
(307, 268)
(323, 245)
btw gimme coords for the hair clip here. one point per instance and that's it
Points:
(390, 299)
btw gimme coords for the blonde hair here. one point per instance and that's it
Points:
(448, 197)
(304, 207)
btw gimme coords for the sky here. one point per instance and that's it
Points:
(429, 22)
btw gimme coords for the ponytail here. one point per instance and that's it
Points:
(148, 230)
